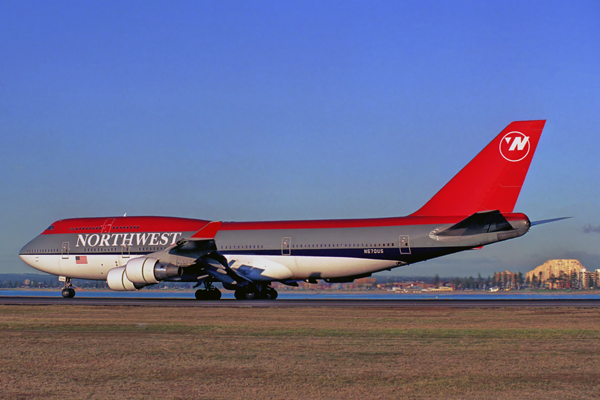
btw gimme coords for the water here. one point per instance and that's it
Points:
(145, 294)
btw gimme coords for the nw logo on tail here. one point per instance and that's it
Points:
(514, 146)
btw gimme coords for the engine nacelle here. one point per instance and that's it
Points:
(148, 270)
(117, 280)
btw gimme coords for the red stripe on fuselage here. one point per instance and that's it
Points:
(126, 224)
(157, 224)
(350, 223)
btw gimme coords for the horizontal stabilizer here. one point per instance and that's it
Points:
(481, 222)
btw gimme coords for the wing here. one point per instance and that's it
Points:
(192, 259)
(199, 258)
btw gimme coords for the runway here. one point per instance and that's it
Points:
(345, 303)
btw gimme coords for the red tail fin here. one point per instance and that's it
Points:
(493, 179)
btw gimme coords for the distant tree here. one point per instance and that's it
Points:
(552, 279)
(479, 281)
(562, 280)
(471, 282)
(574, 280)
(436, 280)
(456, 283)
(519, 280)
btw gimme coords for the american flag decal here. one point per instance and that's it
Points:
(80, 259)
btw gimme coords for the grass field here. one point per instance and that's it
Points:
(242, 352)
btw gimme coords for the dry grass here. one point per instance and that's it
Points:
(308, 353)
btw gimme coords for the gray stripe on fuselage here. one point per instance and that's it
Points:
(53, 243)
(364, 242)
(341, 242)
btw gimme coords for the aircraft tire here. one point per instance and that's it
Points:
(271, 294)
(68, 293)
(240, 294)
(245, 294)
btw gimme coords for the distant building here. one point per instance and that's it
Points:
(441, 289)
(365, 283)
(507, 279)
(560, 274)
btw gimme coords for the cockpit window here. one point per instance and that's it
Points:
(51, 227)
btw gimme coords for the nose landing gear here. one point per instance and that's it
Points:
(68, 291)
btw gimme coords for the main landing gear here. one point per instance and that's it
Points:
(256, 293)
(209, 293)
(68, 291)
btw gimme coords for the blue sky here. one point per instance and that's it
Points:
(268, 110)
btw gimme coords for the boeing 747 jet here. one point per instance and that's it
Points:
(474, 209)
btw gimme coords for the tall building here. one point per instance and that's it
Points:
(558, 274)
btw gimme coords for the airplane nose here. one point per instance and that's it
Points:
(30, 260)
(28, 256)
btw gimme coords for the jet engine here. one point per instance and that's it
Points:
(148, 270)
(140, 272)
(117, 280)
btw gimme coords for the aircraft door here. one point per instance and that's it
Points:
(64, 251)
(125, 253)
(404, 244)
(286, 246)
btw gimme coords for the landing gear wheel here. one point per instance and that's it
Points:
(245, 294)
(213, 294)
(259, 293)
(271, 294)
(209, 292)
(68, 292)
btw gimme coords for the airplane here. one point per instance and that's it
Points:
(474, 209)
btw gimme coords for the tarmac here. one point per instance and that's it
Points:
(375, 303)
